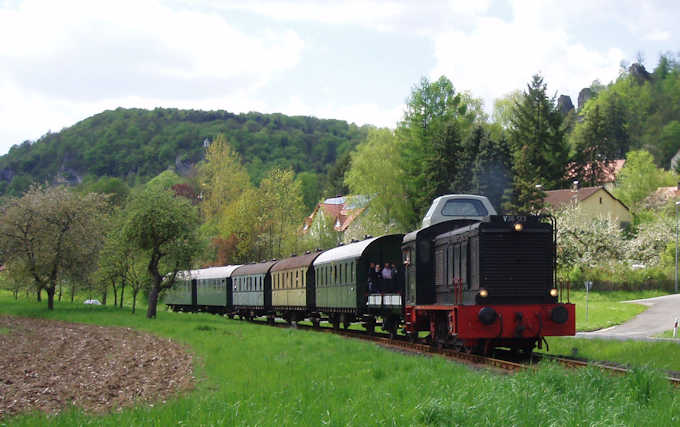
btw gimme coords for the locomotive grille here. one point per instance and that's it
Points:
(516, 264)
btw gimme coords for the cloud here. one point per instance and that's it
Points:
(60, 59)
(658, 35)
(358, 113)
(497, 56)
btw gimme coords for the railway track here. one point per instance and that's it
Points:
(400, 343)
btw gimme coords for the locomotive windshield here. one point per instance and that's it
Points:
(464, 207)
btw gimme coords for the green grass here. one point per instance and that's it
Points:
(250, 374)
(669, 334)
(605, 309)
(659, 355)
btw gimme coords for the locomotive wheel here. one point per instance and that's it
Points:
(370, 328)
(316, 322)
(412, 337)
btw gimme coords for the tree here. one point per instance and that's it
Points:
(594, 152)
(120, 262)
(335, 180)
(436, 120)
(539, 149)
(281, 212)
(165, 228)
(639, 177)
(311, 190)
(223, 178)
(51, 233)
(376, 172)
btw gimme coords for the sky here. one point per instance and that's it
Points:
(63, 61)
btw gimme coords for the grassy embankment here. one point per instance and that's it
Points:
(249, 374)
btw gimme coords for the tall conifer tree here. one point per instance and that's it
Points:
(539, 149)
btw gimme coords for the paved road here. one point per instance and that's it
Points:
(658, 318)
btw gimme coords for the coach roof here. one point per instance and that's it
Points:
(305, 260)
(248, 269)
(352, 250)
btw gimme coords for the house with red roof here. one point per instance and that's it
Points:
(343, 211)
(591, 201)
(606, 172)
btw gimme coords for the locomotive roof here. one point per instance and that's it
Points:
(215, 272)
(305, 260)
(259, 268)
(437, 229)
(352, 250)
(495, 220)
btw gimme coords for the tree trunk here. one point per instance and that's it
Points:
(104, 296)
(122, 291)
(60, 288)
(39, 296)
(115, 293)
(16, 294)
(50, 298)
(153, 302)
(134, 300)
(73, 292)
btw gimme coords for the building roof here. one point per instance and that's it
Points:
(343, 209)
(608, 172)
(662, 195)
(558, 198)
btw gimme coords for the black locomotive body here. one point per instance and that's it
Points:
(492, 285)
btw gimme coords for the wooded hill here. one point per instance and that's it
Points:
(137, 144)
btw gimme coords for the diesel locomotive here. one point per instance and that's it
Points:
(468, 278)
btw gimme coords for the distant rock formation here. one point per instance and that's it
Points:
(639, 72)
(564, 104)
(583, 97)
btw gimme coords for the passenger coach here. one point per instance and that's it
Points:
(342, 278)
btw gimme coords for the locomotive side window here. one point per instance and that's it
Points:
(464, 207)
(440, 271)
(464, 264)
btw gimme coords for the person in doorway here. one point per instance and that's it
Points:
(387, 277)
(372, 278)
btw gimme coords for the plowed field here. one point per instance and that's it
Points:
(49, 365)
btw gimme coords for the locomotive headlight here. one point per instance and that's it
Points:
(553, 292)
(519, 226)
(483, 293)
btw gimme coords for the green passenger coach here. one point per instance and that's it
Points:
(342, 276)
(252, 289)
(182, 295)
(214, 289)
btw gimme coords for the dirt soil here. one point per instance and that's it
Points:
(48, 365)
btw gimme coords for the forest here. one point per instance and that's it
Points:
(243, 194)
(136, 145)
